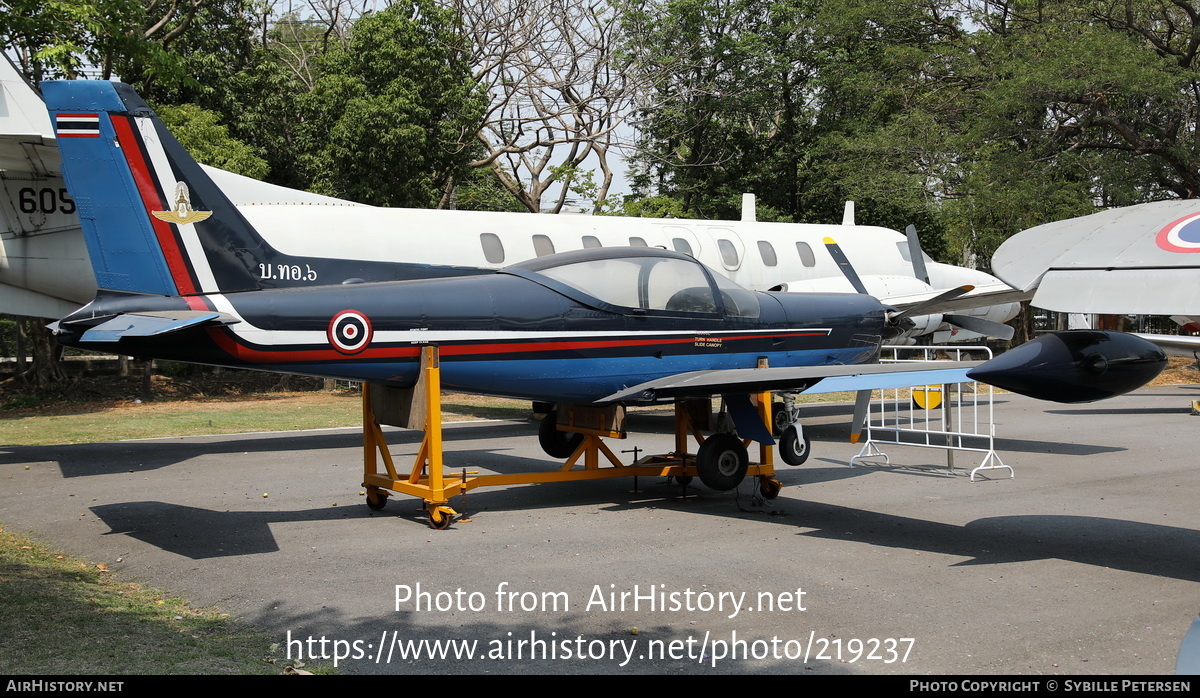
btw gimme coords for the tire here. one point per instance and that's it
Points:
(439, 521)
(557, 444)
(769, 488)
(376, 499)
(791, 450)
(722, 462)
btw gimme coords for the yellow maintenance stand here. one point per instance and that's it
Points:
(421, 408)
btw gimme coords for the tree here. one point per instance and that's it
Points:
(396, 109)
(130, 38)
(776, 98)
(555, 94)
(202, 134)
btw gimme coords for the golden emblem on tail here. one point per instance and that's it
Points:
(182, 213)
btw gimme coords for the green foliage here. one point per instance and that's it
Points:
(395, 108)
(972, 121)
(60, 38)
(482, 191)
(645, 207)
(8, 337)
(200, 131)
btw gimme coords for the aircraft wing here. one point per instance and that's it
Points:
(809, 379)
(1137, 259)
(1175, 345)
(151, 323)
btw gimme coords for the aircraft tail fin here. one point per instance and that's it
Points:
(153, 220)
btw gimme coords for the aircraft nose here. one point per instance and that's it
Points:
(1074, 366)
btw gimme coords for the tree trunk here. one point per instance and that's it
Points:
(46, 369)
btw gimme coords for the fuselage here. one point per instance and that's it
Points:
(517, 332)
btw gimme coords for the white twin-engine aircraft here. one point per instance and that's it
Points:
(45, 272)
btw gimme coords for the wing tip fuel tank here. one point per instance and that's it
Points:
(1074, 366)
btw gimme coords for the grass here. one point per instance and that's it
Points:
(97, 422)
(64, 616)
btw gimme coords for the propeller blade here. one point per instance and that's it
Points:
(929, 306)
(915, 253)
(987, 328)
(862, 400)
(843, 263)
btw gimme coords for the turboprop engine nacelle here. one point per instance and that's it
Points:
(879, 286)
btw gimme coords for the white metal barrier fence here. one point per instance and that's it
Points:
(953, 417)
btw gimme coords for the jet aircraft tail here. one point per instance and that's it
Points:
(153, 220)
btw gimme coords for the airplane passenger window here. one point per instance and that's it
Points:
(637, 242)
(806, 254)
(683, 246)
(729, 255)
(542, 245)
(591, 242)
(767, 252)
(493, 249)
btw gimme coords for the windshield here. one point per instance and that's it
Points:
(650, 283)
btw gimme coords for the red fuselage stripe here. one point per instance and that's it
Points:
(227, 342)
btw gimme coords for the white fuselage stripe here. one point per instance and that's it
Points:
(257, 335)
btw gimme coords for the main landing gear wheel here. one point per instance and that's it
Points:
(376, 499)
(769, 487)
(722, 462)
(792, 449)
(557, 444)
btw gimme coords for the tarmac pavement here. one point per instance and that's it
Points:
(1087, 562)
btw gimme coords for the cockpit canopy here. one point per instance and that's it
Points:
(637, 278)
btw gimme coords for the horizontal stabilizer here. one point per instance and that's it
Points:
(803, 378)
(149, 324)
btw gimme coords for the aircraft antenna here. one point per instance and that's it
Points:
(749, 214)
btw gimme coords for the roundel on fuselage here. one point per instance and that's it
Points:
(349, 331)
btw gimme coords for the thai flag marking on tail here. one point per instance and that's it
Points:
(77, 125)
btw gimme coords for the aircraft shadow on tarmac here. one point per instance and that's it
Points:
(1165, 551)
(77, 460)
(1170, 409)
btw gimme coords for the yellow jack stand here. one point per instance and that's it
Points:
(428, 479)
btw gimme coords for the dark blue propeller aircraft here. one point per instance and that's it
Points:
(184, 276)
